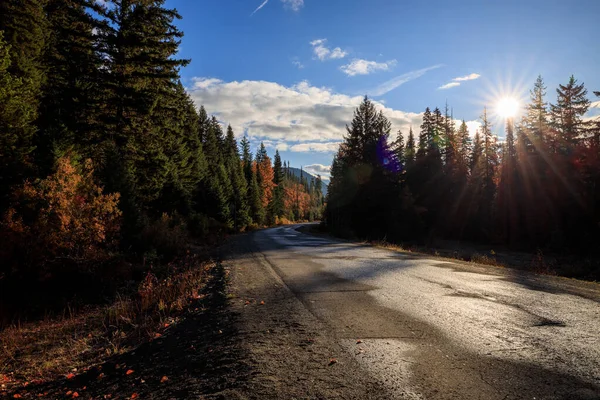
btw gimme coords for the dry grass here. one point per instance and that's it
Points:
(42, 350)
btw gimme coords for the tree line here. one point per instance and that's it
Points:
(538, 189)
(102, 150)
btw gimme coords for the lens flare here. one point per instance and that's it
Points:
(507, 107)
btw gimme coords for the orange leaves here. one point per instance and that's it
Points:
(295, 197)
(129, 372)
(266, 174)
(262, 303)
(71, 215)
(164, 379)
(70, 375)
(134, 396)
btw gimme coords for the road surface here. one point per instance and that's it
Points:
(435, 329)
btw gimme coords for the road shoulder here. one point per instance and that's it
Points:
(292, 353)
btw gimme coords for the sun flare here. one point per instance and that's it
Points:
(507, 107)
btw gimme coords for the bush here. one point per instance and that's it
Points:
(166, 236)
(64, 218)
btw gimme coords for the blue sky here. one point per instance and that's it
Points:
(291, 72)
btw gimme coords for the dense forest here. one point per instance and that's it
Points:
(102, 151)
(537, 189)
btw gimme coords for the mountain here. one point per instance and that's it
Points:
(296, 172)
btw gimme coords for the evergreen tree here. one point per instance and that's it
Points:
(24, 28)
(571, 105)
(277, 204)
(400, 150)
(507, 204)
(239, 210)
(140, 80)
(69, 114)
(253, 194)
(410, 152)
(364, 185)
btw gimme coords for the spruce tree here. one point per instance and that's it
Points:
(571, 105)
(277, 205)
(239, 210)
(69, 113)
(140, 80)
(253, 193)
(24, 28)
(410, 151)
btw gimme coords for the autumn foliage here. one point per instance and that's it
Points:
(266, 174)
(63, 217)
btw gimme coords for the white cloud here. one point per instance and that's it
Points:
(298, 64)
(322, 52)
(338, 53)
(329, 147)
(300, 118)
(319, 169)
(264, 3)
(469, 77)
(449, 85)
(400, 80)
(595, 104)
(364, 67)
(295, 5)
(456, 81)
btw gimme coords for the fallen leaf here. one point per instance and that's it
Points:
(70, 392)
(247, 302)
(70, 375)
(134, 396)
(101, 375)
(358, 341)
(164, 379)
(166, 325)
(262, 303)
(129, 372)
(75, 394)
(17, 396)
(332, 361)
(157, 335)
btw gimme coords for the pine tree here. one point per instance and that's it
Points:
(24, 28)
(571, 105)
(277, 204)
(426, 135)
(240, 210)
(463, 147)
(69, 114)
(141, 76)
(507, 204)
(253, 195)
(399, 150)
(410, 152)
(363, 188)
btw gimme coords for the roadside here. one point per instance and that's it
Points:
(244, 335)
(532, 269)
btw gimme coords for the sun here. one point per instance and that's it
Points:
(507, 107)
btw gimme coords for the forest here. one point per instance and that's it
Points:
(537, 189)
(103, 155)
